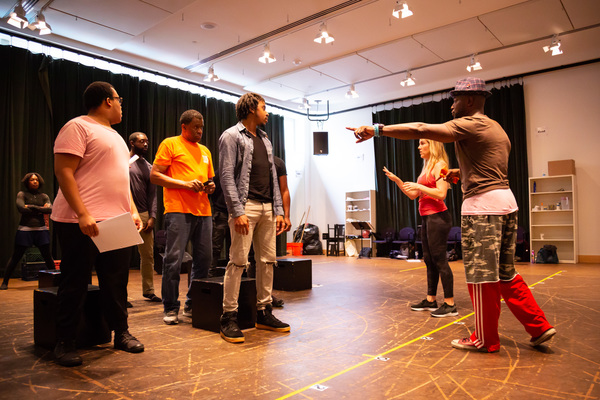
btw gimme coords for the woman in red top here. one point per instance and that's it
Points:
(435, 225)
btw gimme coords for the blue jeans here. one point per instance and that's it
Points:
(180, 229)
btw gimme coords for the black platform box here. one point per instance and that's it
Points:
(292, 274)
(207, 303)
(48, 278)
(92, 329)
(30, 270)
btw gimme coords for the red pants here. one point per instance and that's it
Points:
(486, 304)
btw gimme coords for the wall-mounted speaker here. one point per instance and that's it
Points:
(320, 143)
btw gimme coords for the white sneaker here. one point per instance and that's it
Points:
(170, 318)
(187, 312)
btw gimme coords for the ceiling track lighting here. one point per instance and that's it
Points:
(554, 46)
(304, 105)
(475, 65)
(267, 57)
(409, 80)
(352, 93)
(323, 36)
(18, 17)
(211, 77)
(41, 24)
(401, 10)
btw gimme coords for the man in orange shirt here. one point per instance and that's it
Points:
(184, 168)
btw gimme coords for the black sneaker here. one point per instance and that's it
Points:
(543, 337)
(266, 320)
(445, 310)
(126, 342)
(276, 302)
(153, 298)
(424, 305)
(230, 331)
(65, 354)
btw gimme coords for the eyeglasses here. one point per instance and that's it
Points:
(117, 98)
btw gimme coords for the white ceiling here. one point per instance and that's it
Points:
(372, 50)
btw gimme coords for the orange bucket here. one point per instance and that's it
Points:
(295, 248)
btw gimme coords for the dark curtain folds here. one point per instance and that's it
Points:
(274, 129)
(25, 135)
(394, 209)
(38, 95)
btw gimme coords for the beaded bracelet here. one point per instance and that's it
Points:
(376, 128)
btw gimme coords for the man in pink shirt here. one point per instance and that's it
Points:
(91, 163)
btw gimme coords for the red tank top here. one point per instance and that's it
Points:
(427, 204)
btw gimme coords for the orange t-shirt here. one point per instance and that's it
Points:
(186, 161)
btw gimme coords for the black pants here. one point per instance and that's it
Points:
(18, 254)
(220, 236)
(434, 235)
(79, 255)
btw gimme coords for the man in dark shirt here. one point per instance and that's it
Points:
(220, 234)
(250, 186)
(144, 197)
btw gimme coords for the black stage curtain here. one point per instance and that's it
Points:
(38, 95)
(394, 209)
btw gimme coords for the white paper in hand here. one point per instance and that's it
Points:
(116, 233)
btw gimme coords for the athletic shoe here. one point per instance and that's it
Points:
(65, 354)
(276, 302)
(424, 306)
(187, 311)
(230, 331)
(153, 298)
(467, 344)
(266, 320)
(126, 342)
(445, 310)
(171, 318)
(4, 286)
(543, 337)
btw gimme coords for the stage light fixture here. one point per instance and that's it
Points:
(409, 80)
(323, 36)
(211, 77)
(267, 57)
(401, 9)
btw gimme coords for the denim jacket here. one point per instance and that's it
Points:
(235, 164)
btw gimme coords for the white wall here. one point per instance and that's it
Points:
(566, 103)
(320, 182)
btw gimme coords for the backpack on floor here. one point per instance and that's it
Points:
(547, 255)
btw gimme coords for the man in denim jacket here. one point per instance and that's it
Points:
(251, 190)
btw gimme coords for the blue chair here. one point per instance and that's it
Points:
(454, 240)
(384, 243)
(405, 235)
(419, 242)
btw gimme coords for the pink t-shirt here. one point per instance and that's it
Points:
(102, 175)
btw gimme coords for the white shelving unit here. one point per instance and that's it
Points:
(360, 206)
(557, 226)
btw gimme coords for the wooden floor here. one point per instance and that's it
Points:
(353, 336)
